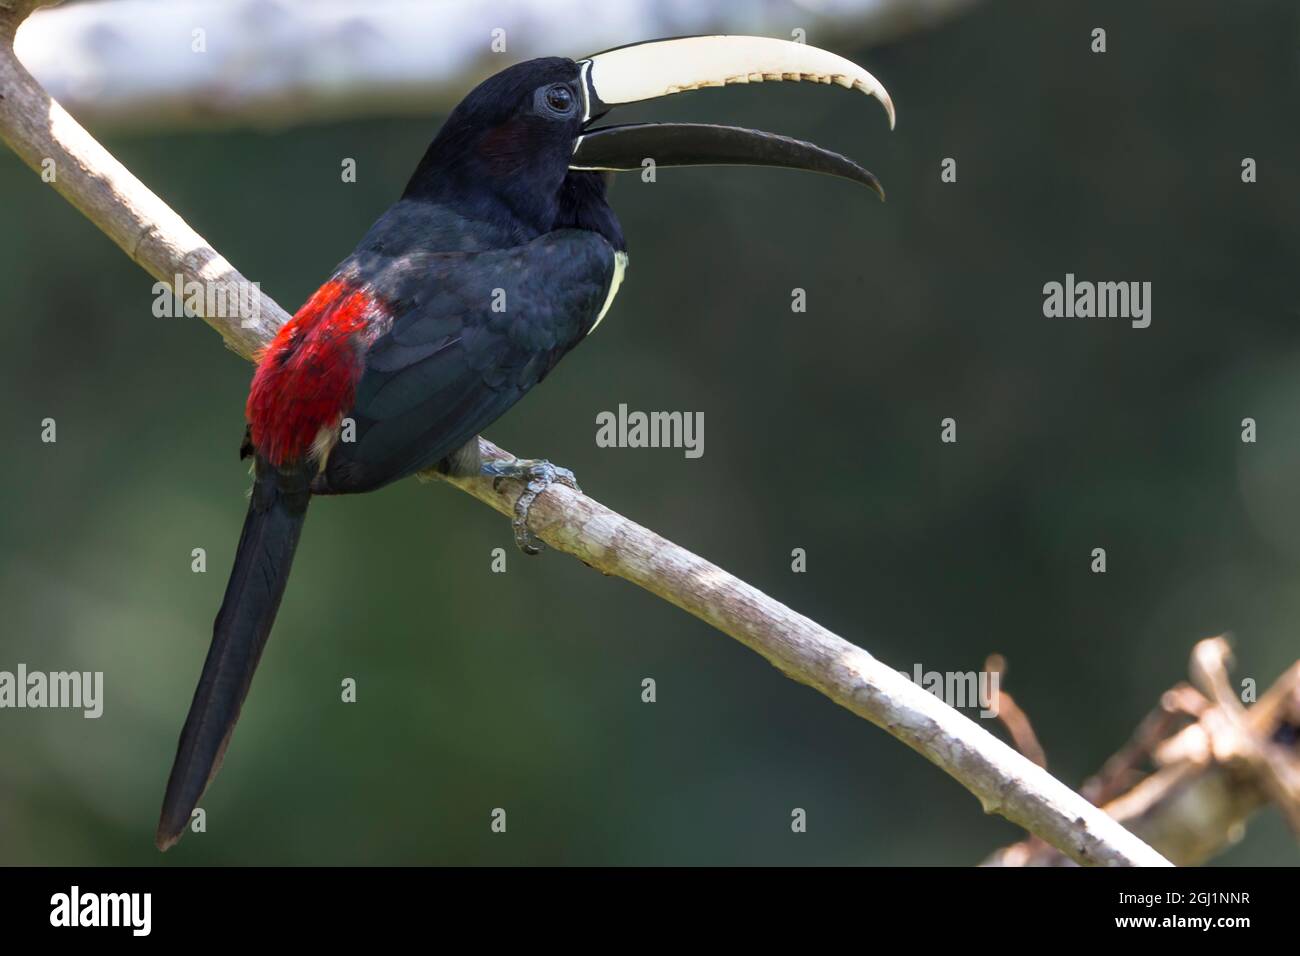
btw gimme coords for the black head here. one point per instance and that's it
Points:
(505, 150)
(520, 150)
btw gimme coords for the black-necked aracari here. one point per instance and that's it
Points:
(501, 255)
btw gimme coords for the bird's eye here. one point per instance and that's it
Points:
(559, 99)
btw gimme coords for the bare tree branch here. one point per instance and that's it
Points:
(287, 61)
(1212, 774)
(38, 129)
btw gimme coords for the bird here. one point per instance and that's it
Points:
(501, 255)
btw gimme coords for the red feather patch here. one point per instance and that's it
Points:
(307, 377)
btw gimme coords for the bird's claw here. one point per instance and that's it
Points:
(537, 475)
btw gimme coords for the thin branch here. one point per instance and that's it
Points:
(292, 61)
(1212, 775)
(37, 129)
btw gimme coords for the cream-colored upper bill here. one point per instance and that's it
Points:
(648, 70)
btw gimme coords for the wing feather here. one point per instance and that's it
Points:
(475, 333)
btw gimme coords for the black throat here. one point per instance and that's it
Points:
(526, 194)
(583, 206)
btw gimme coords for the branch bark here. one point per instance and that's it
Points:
(154, 236)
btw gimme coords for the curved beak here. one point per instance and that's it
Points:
(658, 68)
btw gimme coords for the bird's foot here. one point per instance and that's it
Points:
(537, 474)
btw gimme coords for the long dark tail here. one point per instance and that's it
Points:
(266, 546)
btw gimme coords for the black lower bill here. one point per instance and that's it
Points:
(619, 148)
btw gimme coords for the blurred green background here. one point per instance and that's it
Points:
(522, 690)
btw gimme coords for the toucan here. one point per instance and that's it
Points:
(501, 255)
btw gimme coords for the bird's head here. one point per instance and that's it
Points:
(523, 144)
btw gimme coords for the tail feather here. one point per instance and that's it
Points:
(265, 554)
